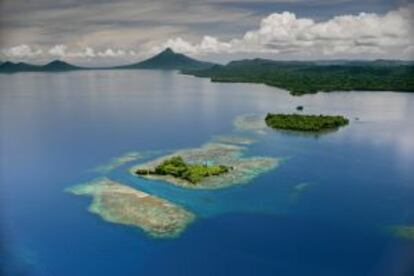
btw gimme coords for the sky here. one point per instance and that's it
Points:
(123, 31)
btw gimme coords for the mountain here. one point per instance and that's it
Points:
(11, 67)
(169, 60)
(58, 65)
(54, 66)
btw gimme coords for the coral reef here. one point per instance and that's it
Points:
(118, 203)
(243, 168)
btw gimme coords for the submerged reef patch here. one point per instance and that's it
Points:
(234, 139)
(243, 168)
(299, 189)
(251, 122)
(403, 231)
(219, 164)
(118, 203)
(119, 161)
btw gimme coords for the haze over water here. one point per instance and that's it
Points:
(55, 128)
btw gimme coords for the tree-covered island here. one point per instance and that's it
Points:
(299, 122)
(304, 77)
(177, 167)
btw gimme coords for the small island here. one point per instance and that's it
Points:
(311, 123)
(193, 173)
(211, 166)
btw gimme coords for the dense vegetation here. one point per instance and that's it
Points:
(305, 122)
(193, 173)
(311, 77)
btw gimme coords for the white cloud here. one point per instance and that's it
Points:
(61, 51)
(21, 51)
(112, 53)
(389, 35)
(58, 50)
(279, 35)
(90, 52)
(87, 52)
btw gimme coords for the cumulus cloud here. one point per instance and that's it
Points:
(61, 51)
(88, 52)
(389, 35)
(208, 44)
(279, 35)
(58, 50)
(21, 51)
(112, 53)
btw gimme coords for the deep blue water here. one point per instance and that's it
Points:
(56, 127)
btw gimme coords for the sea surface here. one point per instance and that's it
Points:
(324, 211)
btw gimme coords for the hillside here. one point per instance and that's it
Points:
(54, 66)
(169, 60)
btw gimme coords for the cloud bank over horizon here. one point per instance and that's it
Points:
(279, 35)
(366, 34)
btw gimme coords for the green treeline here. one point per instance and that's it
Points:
(311, 77)
(305, 122)
(193, 173)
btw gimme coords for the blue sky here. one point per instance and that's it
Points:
(102, 31)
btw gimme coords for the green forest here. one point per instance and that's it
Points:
(193, 173)
(311, 77)
(305, 122)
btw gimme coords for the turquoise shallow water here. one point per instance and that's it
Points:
(55, 128)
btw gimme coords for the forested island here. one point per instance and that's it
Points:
(301, 77)
(210, 166)
(177, 167)
(312, 123)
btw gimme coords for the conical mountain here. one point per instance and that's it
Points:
(58, 65)
(169, 60)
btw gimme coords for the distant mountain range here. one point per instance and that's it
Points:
(54, 66)
(166, 60)
(298, 77)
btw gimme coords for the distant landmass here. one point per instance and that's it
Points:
(298, 77)
(303, 77)
(54, 66)
(169, 60)
(166, 60)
